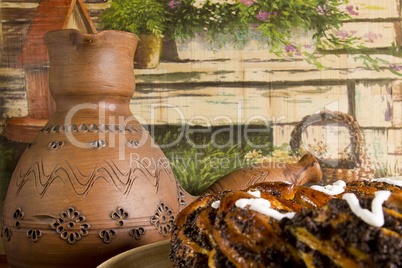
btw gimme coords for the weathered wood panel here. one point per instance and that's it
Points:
(282, 133)
(13, 97)
(374, 104)
(397, 114)
(21, 1)
(40, 103)
(12, 42)
(280, 92)
(378, 144)
(50, 15)
(95, 10)
(237, 104)
(15, 19)
(374, 9)
(374, 35)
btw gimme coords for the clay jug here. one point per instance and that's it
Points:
(93, 183)
(307, 170)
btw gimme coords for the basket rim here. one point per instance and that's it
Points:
(357, 140)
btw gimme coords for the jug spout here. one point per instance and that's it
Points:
(92, 65)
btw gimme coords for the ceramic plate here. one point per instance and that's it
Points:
(152, 255)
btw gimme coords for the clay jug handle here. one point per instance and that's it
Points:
(307, 170)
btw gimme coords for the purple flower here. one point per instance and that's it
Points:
(323, 10)
(174, 4)
(290, 48)
(351, 10)
(371, 36)
(262, 15)
(249, 2)
(342, 33)
(395, 67)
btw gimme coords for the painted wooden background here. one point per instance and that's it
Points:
(243, 86)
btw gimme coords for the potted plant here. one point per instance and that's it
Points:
(146, 18)
(276, 24)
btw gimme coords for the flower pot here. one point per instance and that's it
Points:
(93, 183)
(148, 51)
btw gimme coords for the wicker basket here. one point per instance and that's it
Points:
(361, 167)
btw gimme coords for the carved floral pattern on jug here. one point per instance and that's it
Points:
(119, 215)
(137, 232)
(71, 225)
(163, 219)
(34, 234)
(107, 235)
(18, 216)
(8, 233)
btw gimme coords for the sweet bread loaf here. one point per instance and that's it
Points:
(278, 224)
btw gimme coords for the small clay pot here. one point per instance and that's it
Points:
(148, 53)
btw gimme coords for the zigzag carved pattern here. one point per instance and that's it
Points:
(83, 183)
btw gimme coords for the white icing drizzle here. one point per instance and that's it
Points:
(262, 206)
(255, 193)
(374, 217)
(394, 181)
(216, 204)
(334, 189)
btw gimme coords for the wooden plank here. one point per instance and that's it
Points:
(14, 87)
(351, 91)
(17, 14)
(13, 99)
(237, 104)
(394, 146)
(375, 142)
(375, 9)
(397, 90)
(13, 37)
(395, 141)
(259, 71)
(374, 104)
(282, 134)
(95, 1)
(374, 34)
(50, 15)
(79, 19)
(397, 114)
(39, 100)
(11, 76)
(21, 1)
(14, 104)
